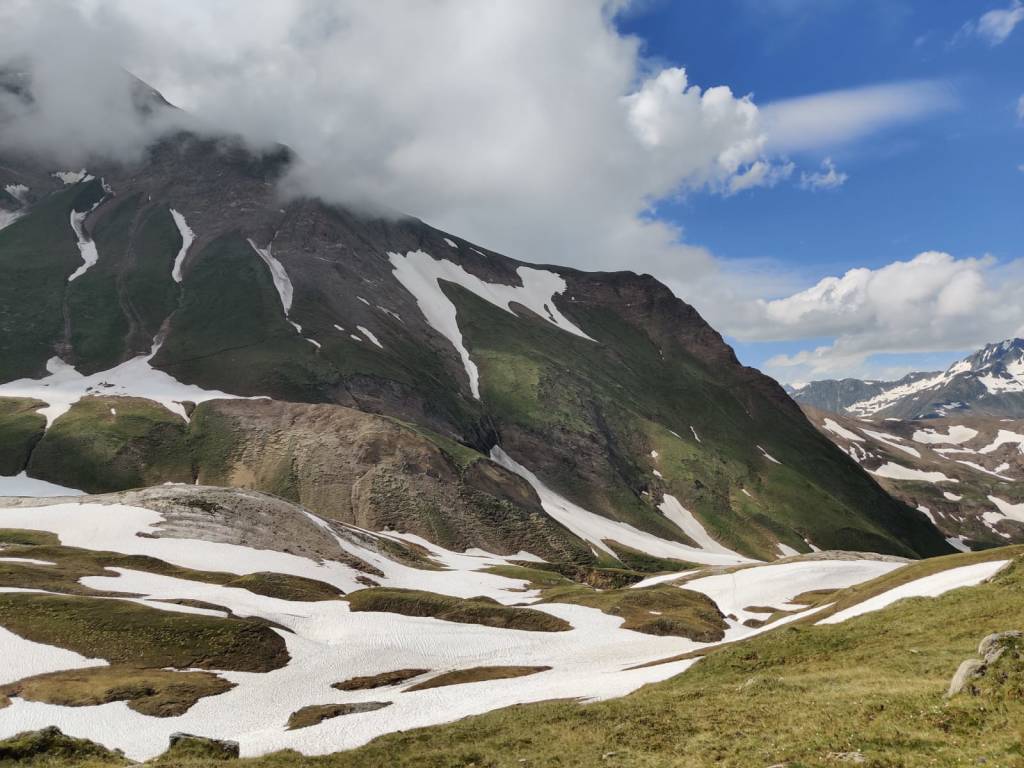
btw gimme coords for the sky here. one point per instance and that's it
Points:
(834, 184)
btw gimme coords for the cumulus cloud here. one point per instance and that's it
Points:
(829, 177)
(827, 119)
(997, 25)
(932, 303)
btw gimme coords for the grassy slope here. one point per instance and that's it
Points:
(91, 448)
(624, 397)
(796, 696)
(21, 427)
(231, 327)
(37, 254)
(873, 684)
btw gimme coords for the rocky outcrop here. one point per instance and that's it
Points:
(990, 651)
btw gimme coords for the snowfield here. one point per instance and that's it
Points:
(597, 659)
(899, 472)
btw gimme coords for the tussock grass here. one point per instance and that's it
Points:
(411, 602)
(475, 675)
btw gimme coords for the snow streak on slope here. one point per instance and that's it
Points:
(688, 524)
(838, 429)
(597, 529)
(64, 386)
(775, 585)
(421, 274)
(187, 238)
(8, 217)
(928, 586)
(899, 472)
(85, 245)
(282, 282)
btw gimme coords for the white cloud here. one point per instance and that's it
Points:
(997, 25)
(931, 303)
(828, 178)
(1020, 109)
(831, 118)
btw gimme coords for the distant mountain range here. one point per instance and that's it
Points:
(988, 383)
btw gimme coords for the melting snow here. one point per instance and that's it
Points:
(85, 245)
(768, 455)
(282, 282)
(892, 440)
(838, 429)
(695, 435)
(36, 658)
(64, 386)
(929, 586)
(8, 217)
(690, 525)
(18, 191)
(187, 238)
(451, 243)
(1005, 436)
(596, 529)
(958, 542)
(899, 472)
(369, 335)
(421, 274)
(979, 468)
(786, 550)
(72, 177)
(956, 435)
(1008, 510)
(951, 496)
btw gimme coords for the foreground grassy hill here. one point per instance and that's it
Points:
(868, 691)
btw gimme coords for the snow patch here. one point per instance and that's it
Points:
(187, 238)
(690, 525)
(892, 441)
(768, 455)
(899, 472)
(928, 586)
(72, 177)
(597, 529)
(86, 246)
(955, 435)
(421, 274)
(369, 336)
(23, 485)
(1005, 436)
(282, 282)
(838, 429)
(695, 435)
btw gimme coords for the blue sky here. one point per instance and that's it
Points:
(948, 181)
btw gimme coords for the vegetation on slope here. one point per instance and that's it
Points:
(21, 427)
(480, 610)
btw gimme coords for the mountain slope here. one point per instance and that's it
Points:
(610, 389)
(988, 383)
(965, 472)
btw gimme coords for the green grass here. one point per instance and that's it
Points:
(49, 747)
(657, 610)
(91, 448)
(382, 680)
(154, 692)
(21, 427)
(317, 713)
(411, 602)
(37, 255)
(475, 675)
(286, 587)
(130, 634)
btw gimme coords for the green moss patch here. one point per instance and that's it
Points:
(50, 747)
(316, 714)
(21, 427)
(475, 675)
(410, 602)
(130, 634)
(156, 692)
(381, 680)
(113, 443)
